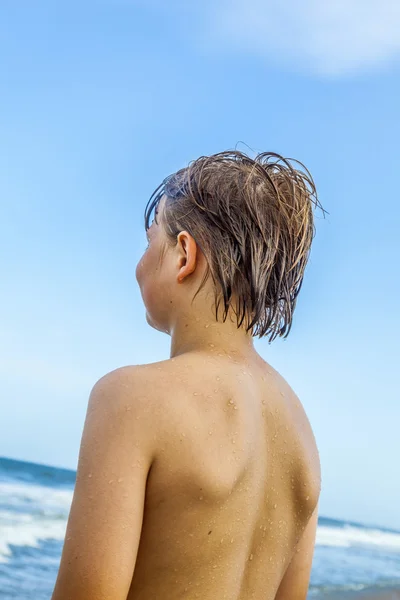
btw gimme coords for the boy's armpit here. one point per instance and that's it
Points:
(295, 582)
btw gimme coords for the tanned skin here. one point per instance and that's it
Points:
(198, 476)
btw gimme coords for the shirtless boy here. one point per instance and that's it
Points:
(199, 476)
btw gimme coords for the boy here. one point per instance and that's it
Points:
(199, 476)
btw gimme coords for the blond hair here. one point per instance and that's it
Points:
(253, 220)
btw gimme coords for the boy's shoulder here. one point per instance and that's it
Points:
(149, 387)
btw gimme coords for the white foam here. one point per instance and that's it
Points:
(347, 536)
(22, 493)
(20, 531)
(41, 513)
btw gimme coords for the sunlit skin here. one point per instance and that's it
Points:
(198, 476)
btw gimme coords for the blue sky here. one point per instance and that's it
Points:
(99, 101)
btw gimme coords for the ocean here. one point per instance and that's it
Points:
(34, 506)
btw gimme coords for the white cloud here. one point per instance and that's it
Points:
(330, 37)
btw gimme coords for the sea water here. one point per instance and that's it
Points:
(34, 506)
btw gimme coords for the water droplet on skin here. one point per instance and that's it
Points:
(120, 479)
(111, 481)
(230, 402)
(232, 541)
(264, 402)
(308, 497)
(206, 326)
(195, 393)
(218, 378)
(128, 408)
(200, 497)
(215, 391)
(275, 506)
(282, 394)
(89, 475)
(212, 345)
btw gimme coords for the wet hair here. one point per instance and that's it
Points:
(253, 220)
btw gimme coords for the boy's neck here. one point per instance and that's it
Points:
(193, 334)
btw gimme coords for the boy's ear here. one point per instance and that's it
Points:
(187, 259)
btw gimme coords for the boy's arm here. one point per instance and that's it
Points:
(105, 520)
(295, 582)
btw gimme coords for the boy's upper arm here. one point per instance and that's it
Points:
(295, 582)
(105, 519)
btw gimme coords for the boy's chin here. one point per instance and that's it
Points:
(155, 325)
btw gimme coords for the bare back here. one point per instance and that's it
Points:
(234, 484)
